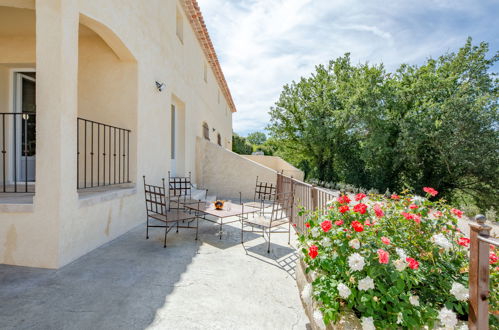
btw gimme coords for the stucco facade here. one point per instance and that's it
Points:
(100, 60)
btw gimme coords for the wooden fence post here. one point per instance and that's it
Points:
(315, 202)
(293, 203)
(478, 317)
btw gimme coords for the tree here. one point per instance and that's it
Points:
(429, 125)
(257, 138)
(240, 145)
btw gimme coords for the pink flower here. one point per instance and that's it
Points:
(378, 211)
(395, 197)
(360, 208)
(338, 222)
(326, 225)
(406, 215)
(367, 222)
(357, 226)
(413, 264)
(437, 214)
(430, 191)
(492, 258)
(463, 241)
(313, 251)
(383, 256)
(343, 208)
(410, 216)
(416, 218)
(360, 196)
(457, 213)
(343, 199)
(413, 206)
(385, 240)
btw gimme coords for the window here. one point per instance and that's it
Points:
(206, 131)
(205, 72)
(173, 132)
(219, 139)
(180, 26)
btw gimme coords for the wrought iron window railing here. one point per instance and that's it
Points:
(18, 135)
(103, 154)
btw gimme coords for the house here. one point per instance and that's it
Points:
(93, 95)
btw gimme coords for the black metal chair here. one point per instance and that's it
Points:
(157, 209)
(180, 191)
(264, 194)
(269, 222)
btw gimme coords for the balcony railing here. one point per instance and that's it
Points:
(103, 154)
(18, 138)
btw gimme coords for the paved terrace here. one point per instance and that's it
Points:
(133, 283)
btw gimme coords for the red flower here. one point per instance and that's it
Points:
(326, 225)
(410, 216)
(307, 224)
(413, 264)
(413, 206)
(385, 240)
(378, 211)
(338, 222)
(313, 251)
(343, 199)
(361, 208)
(343, 208)
(360, 196)
(383, 256)
(294, 225)
(463, 241)
(430, 191)
(437, 214)
(406, 215)
(492, 258)
(395, 197)
(357, 226)
(457, 213)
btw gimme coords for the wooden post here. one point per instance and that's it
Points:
(314, 194)
(293, 203)
(478, 317)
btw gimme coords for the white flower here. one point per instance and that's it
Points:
(330, 202)
(459, 291)
(447, 318)
(401, 253)
(400, 264)
(306, 294)
(326, 242)
(441, 241)
(366, 284)
(356, 262)
(368, 323)
(315, 232)
(344, 291)
(354, 244)
(319, 320)
(313, 275)
(400, 318)
(414, 300)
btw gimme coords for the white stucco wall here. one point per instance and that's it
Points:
(80, 76)
(278, 164)
(226, 173)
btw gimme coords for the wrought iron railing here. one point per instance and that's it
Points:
(103, 154)
(18, 134)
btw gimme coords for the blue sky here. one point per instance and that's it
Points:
(264, 44)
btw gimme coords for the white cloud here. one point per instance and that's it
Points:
(264, 44)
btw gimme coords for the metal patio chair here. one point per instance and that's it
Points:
(269, 222)
(264, 194)
(157, 209)
(180, 191)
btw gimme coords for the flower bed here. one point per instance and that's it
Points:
(396, 262)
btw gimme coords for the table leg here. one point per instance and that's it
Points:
(221, 223)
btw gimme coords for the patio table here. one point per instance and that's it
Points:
(229, 210)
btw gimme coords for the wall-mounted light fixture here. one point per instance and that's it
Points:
(160, 86)
(214, 129)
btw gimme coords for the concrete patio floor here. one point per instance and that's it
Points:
(134, 283)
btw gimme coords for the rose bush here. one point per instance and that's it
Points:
(396, 262)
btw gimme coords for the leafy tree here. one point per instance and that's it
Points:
(240, 145)
(257, 138)
(429, 125)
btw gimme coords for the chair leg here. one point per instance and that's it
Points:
(197, 228)
(221, 224)
(177, 226)
(289, 233)
(242, 231)
(166, 232)
(147, 228)
(268, 245)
